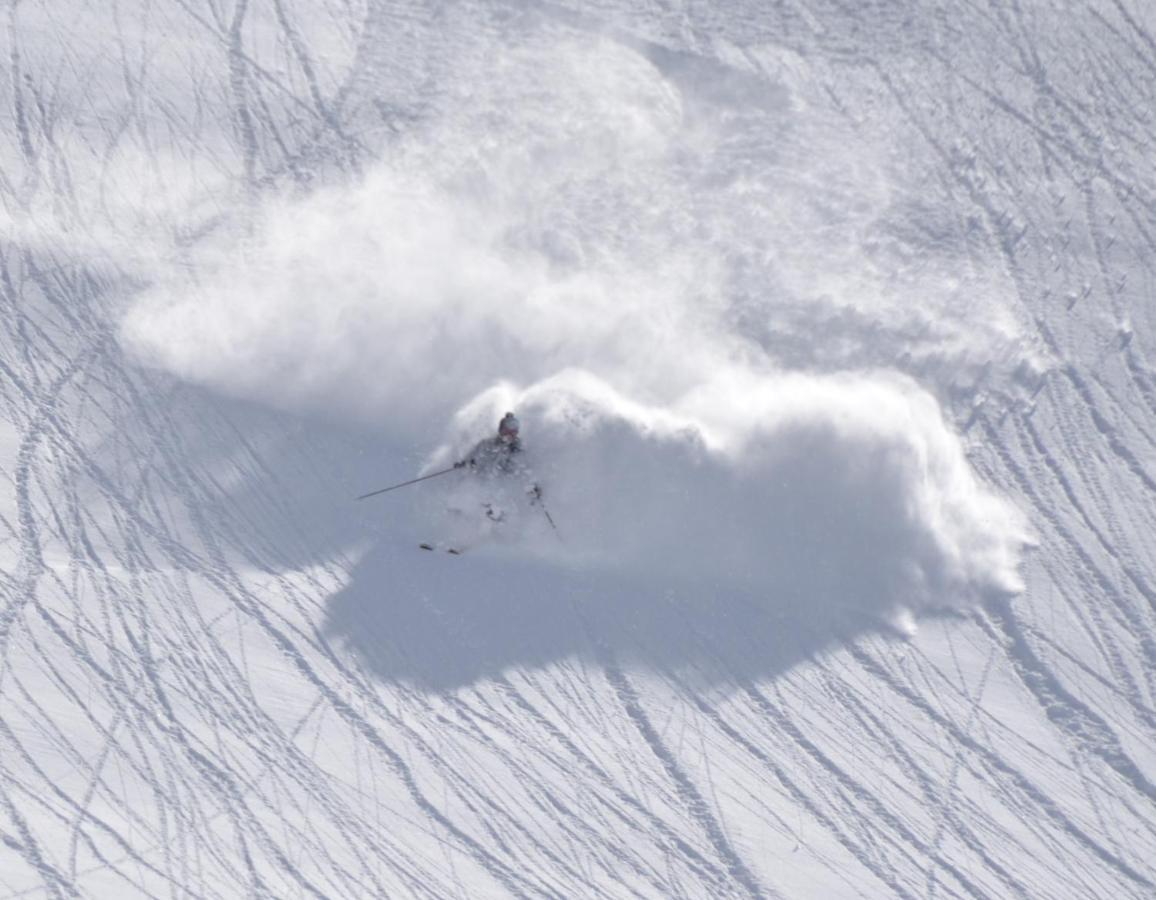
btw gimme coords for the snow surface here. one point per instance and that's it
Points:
(829, 326)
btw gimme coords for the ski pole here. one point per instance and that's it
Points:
(394, 487)
(549, 518)
(537, 493)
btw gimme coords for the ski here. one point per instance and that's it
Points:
(453, 551)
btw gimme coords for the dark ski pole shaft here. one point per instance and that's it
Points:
(550, 519)
(394, 487)
(542, 506)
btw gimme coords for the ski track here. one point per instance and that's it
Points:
(173, 720)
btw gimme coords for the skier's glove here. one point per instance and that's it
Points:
(535, 493)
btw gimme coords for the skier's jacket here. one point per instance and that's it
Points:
(495, 456)
(500, 456)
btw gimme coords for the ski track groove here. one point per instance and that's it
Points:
(1047, 688)
(688, 793)
(805, 800)
(946, 813)
(591, 838)
(695, 861)
(861, 794)
(1000, 766)
(1105, 585)
(1131, 618)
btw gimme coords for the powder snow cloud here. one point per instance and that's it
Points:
(573, 231)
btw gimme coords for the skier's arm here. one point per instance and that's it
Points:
(472, 459)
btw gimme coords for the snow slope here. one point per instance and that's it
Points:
(830, 328)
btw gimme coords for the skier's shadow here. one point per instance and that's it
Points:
(820, 549)
(441, 622)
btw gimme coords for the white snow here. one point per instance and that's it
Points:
(828, 326)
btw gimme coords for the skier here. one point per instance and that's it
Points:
(490, 457)
(498, 455)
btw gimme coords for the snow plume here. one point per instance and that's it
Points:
(396, 298)
(573, 231)
(841, 491)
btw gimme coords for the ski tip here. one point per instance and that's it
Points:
(426, 546)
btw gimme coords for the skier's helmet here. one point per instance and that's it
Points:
(508, 427)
